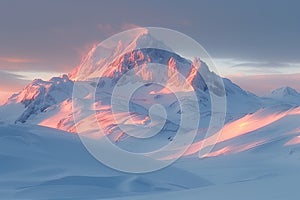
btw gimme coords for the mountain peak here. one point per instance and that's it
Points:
(146, 40)
(108, 51)
(286, 94)
(284, 91)
(39, 95)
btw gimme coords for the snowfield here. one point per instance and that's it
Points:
(44, 163)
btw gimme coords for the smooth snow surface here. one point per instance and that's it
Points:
(44, 163)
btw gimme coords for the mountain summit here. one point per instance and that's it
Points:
(105, 53)
(49, 103)
(286, 94)
(52, 103)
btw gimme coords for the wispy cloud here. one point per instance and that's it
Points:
(4, 96)
(17, 60)
(15, 64)
(234, 66)
(106, 29)
(10, 82)
(127, 26)
(263, 64)
(254, 71)
(109, 29)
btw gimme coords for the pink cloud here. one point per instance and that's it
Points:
(16, 60)
(109, 29)
(10, 82)
(4, 97)
(106, 29)
(127, 26)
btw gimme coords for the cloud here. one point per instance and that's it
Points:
(127, 26)
(256, 71)
(16, 60)
(10, 82)
(16, 63)
(19, 63)
(4, 96)
(231, 66)
(106, 29)
(109, 29)
(34, 66)
(263, 64)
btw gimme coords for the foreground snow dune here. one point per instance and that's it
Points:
(44, 163)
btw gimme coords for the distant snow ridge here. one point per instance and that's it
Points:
(284, 91)
(286, 94)
(40, 95)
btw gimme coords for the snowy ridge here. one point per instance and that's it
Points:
(284, 91)
(39, 96)
(44, 101)
(285, 95)
(49, 103)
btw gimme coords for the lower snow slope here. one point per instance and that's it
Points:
(43, 163)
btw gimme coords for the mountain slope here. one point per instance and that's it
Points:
(286, 95)
(37, 97)
(51, 103)
(38, 161)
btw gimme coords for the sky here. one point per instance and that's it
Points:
(255, 43)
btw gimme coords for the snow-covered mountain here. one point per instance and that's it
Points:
(37, 98)
(285, 95)
(101, 56)
(49, 103)
(258, 146)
